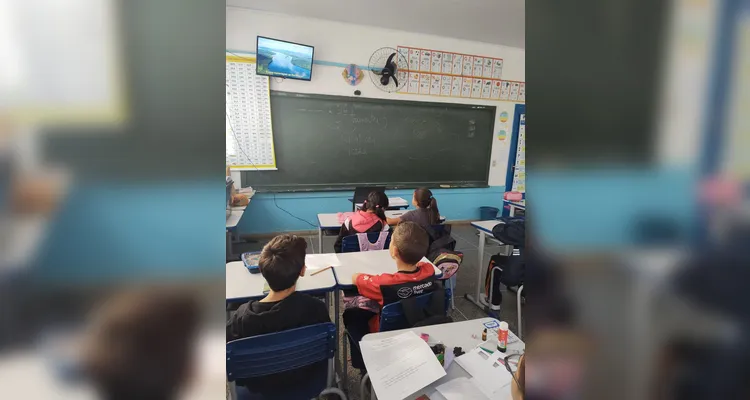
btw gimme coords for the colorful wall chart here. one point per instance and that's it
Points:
(249, 135)
(448, 74)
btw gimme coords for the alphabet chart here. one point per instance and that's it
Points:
(249, 135)
(447, 74)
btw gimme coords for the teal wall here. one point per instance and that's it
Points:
(263, 216)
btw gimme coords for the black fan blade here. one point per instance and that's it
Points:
(395, 80)
(390, 59)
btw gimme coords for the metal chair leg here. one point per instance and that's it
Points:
(453, 292)
(363, 385)
(233, 390)
(518, 301)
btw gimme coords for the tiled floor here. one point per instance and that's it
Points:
(467, 242)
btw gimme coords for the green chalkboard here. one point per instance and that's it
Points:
(335, 142)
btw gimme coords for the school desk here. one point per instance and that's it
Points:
(485, 231)
(241, 285)
(521, 205)
(455, 334)
(393, 203)
(330, 222)
(367, 262)
(231, 228)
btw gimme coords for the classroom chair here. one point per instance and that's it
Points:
(277, 352)
(350, 244)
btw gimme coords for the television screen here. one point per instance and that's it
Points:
(284, 59)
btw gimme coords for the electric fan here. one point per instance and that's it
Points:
(384, 69)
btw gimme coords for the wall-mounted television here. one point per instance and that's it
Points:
(279, 58)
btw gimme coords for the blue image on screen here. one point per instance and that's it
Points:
(284, 59)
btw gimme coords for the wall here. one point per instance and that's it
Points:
(347, 43)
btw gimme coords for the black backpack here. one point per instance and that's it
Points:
(512, 231)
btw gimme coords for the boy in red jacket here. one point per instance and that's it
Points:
(409, 245)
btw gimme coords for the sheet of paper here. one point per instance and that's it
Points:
(424, 61)
(476, 89)
(456, 86)
(466, 87)
(435, 85)
(445, 86)
(424, 83)
(495, 90)
(486, 88)
(497, 70)
(447, 63)
(505, 90)
(321, 261)
(478, 64)
(414, 56)
(458, 60)
(468, 65)
(487, 70)
(461, 389)
(491, 377)
(437, 62)
(414, 82)
(400, 365)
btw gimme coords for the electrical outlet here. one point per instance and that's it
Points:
(494, 163)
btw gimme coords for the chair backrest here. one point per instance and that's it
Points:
(280, 351)
(350, 244)
(392, 317)
(361, 192)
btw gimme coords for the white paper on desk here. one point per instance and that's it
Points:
(400, 365)
(461, 389)
(491, 378)
(322, 261)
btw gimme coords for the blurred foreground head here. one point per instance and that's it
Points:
(140, 345)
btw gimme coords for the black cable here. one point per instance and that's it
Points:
(231, 127)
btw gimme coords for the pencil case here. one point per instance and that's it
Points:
(250, 259)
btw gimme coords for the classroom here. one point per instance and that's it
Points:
(385, 145)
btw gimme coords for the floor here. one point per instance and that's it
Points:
(467, 242)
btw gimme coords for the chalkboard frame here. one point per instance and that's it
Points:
(248, 178)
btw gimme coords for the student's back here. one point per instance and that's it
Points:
(369, 218)
(281, 263)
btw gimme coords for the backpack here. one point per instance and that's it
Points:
(512, 231)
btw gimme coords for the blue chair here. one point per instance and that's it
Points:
(289, 350)
(350, 244)
(392, 316)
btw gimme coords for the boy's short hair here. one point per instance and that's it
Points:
(282, 260)
(141, 342)
(411, 241)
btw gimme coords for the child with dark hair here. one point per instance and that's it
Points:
(141, 344)
(369, 218)
(281, 263)
(426, 213)
(412, 278)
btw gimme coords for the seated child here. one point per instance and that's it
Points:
(427, 216)
(281, 263)
(413, 278)
(141, 344)
(426, 213)
(369, 218)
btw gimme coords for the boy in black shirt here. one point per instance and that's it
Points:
(281, 263)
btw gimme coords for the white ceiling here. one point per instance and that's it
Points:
(491, 21)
